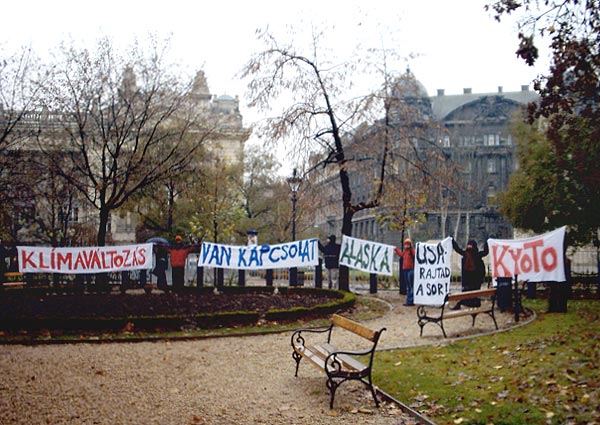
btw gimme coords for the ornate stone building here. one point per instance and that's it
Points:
(471, 131)
(226, 140)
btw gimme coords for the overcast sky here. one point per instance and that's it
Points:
(457, 43)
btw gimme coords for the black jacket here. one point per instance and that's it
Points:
(331, 253)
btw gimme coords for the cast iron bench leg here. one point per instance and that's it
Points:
(297, 357)
(332, 385)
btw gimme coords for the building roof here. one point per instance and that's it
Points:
(443, 104)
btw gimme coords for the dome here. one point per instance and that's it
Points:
(409, 101)
(226, 98)
(408, 87)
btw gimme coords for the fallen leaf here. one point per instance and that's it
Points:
(459, 420)
(570, 378)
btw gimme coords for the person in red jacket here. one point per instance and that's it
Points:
(408, 269)
(178, 253)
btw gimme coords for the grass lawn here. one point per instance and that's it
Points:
(545, 372)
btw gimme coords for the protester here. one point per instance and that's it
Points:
(472, 270)
(179, 253)
(160, 269)
(331, 253)
(408, 269)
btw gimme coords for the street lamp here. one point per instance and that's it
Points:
(294, 182)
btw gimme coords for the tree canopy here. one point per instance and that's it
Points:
(569, 106)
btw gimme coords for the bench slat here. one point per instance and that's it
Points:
(313, 356)
(471, 294)
(347, 361)
(466, 312)
(14, 284)
(354, 327)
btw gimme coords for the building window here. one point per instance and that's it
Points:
(491, 166)
(74, 218)
(446, 141)
(468, 168)
(491, 193)
(491, 139)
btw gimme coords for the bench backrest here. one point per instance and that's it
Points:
(356, 328)
(471, 294)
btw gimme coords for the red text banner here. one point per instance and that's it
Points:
(535, 259)
(84, 260)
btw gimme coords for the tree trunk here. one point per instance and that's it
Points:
(457, 225)
(467, 225)
(171, 206)
(102, 283)
(344, 276)
(104, 216)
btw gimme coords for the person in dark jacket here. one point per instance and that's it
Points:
(472, 270)
(331, 254)
(160, 269)
(408, 269)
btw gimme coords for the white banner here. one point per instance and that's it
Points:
(432, 272)
(371, 257)
(536, 259)
(84, 260)
(256, 257)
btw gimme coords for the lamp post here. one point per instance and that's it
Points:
(294, 182)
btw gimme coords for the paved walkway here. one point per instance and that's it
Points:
(238, 380)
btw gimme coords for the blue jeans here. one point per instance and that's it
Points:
(409, 278)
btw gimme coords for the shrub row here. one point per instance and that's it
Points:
(344, 301)
(339, 300)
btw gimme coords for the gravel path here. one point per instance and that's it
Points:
(238, 380)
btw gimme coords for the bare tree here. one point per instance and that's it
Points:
(318, 117)
(327, 119)
(20, 79)
(126, 124)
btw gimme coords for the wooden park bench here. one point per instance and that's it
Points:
(14, 280)
(427, 314)
(340, 365)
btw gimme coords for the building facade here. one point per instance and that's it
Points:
(469, 131)
(224, 138)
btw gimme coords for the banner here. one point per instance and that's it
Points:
(536, 259)
(84, 260)
(371, 257)
(256, 257)
(432, 272)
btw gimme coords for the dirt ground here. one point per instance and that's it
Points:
(235, 380)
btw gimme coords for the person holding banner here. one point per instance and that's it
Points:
(179, 253)
(408, 269)
(472, 270)
(331, 253)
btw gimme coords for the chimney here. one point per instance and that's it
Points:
(500, 89)
(440, 92)
(467, 91)
(525, 88)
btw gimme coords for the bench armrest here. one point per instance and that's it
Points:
(352, 353)
(298, 340)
